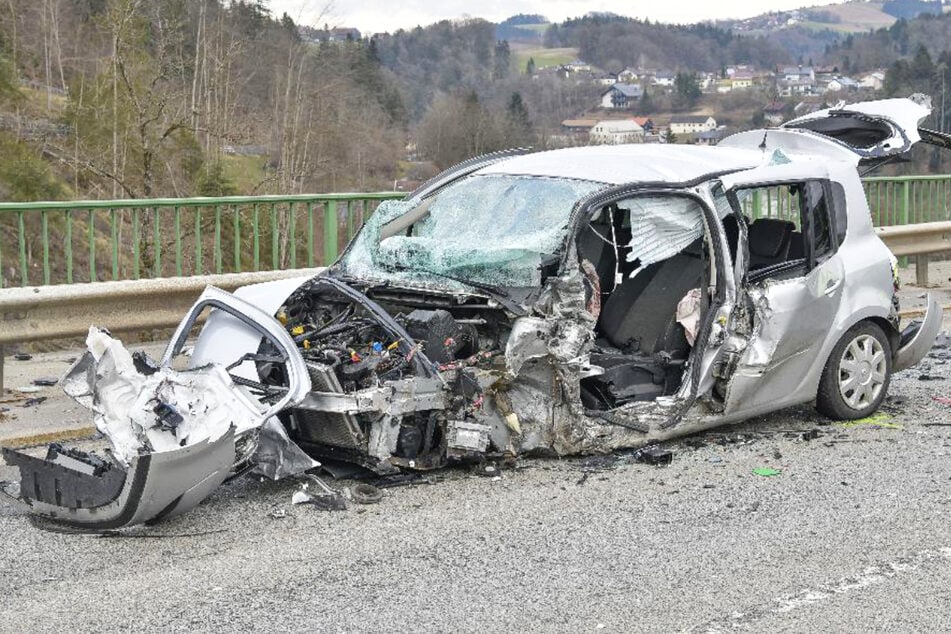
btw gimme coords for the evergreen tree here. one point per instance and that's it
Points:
(503, 60)
(519, 123)
(530, 66)
(687, 89)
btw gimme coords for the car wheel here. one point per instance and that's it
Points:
(856, 375)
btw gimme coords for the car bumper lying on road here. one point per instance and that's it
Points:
(918, 337)
(79, 492)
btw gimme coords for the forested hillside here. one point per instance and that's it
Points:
(178, 97)
(139, 98)
(613, 42)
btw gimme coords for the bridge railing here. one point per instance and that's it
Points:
(45, 243)
(908, 200)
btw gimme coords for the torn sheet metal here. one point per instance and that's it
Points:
(175, 434)
(157, 411)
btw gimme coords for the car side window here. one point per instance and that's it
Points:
(790, 227)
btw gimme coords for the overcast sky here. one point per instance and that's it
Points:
(374, 16)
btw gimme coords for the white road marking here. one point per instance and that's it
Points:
(871, 576)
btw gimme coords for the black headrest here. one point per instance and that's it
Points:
(769, 236)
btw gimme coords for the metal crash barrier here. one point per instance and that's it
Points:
(37, 313)
(919, 240)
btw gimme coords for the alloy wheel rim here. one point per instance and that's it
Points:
(862, 372)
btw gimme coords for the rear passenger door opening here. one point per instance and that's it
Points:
(651, 279)
(793, 281)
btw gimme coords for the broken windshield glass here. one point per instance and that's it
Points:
(488, 229)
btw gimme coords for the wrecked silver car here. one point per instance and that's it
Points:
(561, 302)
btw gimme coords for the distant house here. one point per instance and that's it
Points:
(577, 66)
(616, 131)
(798, 73)
(646, 123)
(825, 73)
(663, 78)
(620, 96)
(706, 81)
(692, 124)
(775, 112)
(874, 80)
(628, 75)
(576, 130)
(605, 79)
(795, 88)
(839, 84)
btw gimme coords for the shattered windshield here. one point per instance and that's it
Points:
(493, 229)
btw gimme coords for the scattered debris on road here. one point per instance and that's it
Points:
(767, 472)
(363, 493)
(653, 455)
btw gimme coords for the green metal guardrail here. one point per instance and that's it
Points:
(892, 200)
(173, 237)
(134, 239)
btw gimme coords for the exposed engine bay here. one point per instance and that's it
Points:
(451, 349)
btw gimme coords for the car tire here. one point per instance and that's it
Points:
(856, 376)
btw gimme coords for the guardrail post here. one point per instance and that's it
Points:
(903, 217)
(330, 232)
(2, 352)
(921, 269)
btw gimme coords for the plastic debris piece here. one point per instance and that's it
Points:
(881, 419)
(33, 402)
(363, 493)
(168, 415)
(326, 499)
(277, 514)
(144, 364)
(22, 356)
(46, 381)
(377, 346)
(930, 377)
(297, 330)
(654, 455)
(28, 389)
(941, 399)
(766, 472)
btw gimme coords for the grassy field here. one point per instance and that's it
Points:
(542, 56)
(856, 17)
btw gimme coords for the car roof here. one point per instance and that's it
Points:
(631, 163)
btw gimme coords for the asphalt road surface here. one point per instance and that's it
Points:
(853, 535)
